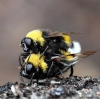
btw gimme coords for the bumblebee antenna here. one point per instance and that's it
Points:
(49, 69)
(31, 79)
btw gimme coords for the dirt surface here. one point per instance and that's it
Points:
(74, 87)
(18, 17)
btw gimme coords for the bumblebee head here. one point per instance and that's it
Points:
(28, 70)
(29, 65)
(28, 45)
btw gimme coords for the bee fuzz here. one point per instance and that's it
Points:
(76, 48)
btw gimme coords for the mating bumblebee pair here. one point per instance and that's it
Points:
(48, 54)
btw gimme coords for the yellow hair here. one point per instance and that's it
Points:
(43, 64)
(37, 61)
(67, 55)
(67, 39)
(64, 52)
(34, 59)
(69, 58)
(36, 36)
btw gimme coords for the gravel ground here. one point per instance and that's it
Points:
(74, 87)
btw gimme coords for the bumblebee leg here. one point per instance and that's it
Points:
(21, 78)
(71, 71)
(61, 76)
(48, 74)
(44, 52)
(34, 74)
(31, 81)
(49, 70)
(23, 59)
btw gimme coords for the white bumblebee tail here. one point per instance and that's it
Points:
(76, 48)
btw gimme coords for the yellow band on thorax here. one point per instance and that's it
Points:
(34, 59)
(37, 61)
(36, 36)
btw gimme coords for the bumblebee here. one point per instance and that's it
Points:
(35, 41)
(48, 54)
(51, 55)
(38, 41)
(49, 43)
(36, 67)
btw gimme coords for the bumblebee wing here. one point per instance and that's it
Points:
(56, 34)
(68, 33)
(79, 55)
(70, 57)
(73, 58)
(67, 60)
(83, 54)
(86, 53)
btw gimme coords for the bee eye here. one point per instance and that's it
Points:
(28, 41)
(26, 44)
(29, 68)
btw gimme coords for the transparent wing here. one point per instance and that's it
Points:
(56, 33)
